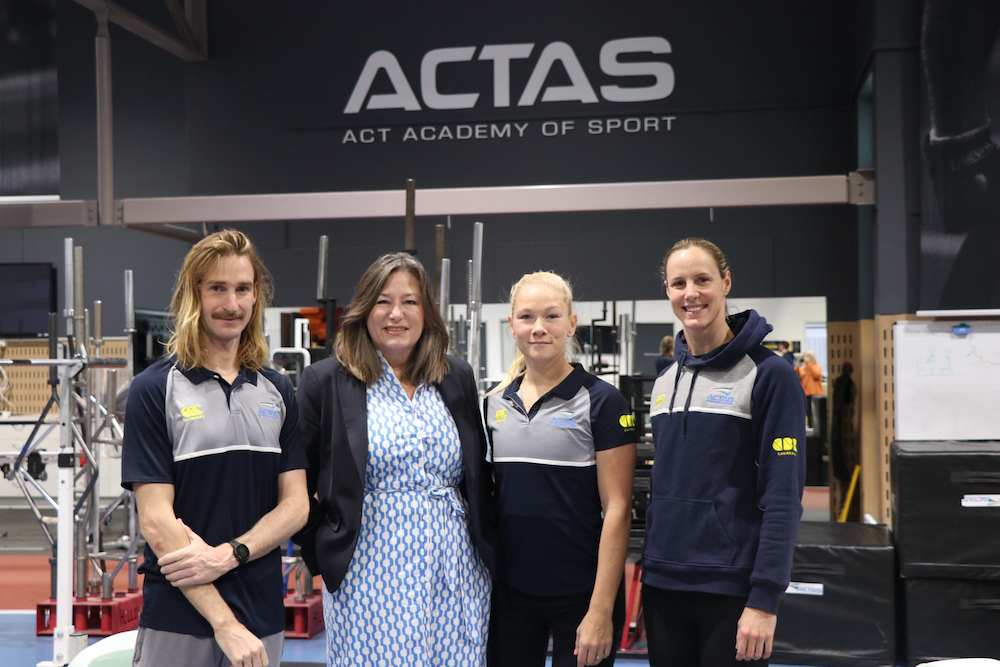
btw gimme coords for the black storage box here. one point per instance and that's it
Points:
(840, 608)
(950, 618)
(816, 463)
(946, 509)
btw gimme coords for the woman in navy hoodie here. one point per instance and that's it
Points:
(728, 423)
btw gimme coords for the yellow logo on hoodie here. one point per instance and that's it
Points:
(785, 446)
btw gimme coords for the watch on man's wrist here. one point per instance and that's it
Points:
(240, 551)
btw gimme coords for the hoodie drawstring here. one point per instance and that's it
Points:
(687, 401)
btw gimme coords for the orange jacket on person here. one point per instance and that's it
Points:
(811, 377)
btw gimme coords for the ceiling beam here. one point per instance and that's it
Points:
(69, 213)
(792, 191)
(855, 188)
(191, 52)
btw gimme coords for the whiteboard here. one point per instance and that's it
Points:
(947, 386)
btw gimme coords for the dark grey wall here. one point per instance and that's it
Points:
(773, 251)
(762, 89)
(107, 253)
(149, 91)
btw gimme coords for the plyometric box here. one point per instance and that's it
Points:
(840, 607)
(946, 509)
(946, 514)
(951, 618)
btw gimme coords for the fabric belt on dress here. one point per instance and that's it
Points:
(451, 495)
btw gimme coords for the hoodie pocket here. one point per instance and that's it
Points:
(686, 532)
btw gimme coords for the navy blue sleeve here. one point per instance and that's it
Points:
(611, 417)
(147, 452)
(779, 420)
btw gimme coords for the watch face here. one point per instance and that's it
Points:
(241, 551)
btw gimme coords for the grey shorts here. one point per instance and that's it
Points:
(154, 648)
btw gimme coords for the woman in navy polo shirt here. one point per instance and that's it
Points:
(563, 444)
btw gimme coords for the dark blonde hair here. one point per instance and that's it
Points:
(694, 242)
(187, 339)
(667, 346)
(562, 287)
(354, 347)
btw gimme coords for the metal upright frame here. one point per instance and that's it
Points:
(85, 425)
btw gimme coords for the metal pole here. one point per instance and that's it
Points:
(64, 645)
(475, 305)
(105, 152)
(625, 343)
(411, 207)
(445, 289)
(79, 316)
(329, 305)
(324, 245)
(98, 328)
(69, 291)
(438, 255)
(129, 324)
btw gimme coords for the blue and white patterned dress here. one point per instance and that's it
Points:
(417, 593)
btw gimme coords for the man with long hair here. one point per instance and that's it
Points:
(212, 452)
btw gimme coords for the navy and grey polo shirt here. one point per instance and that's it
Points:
(222, 447)
(546, 467)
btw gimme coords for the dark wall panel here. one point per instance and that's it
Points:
(760, 90)
(29, 134)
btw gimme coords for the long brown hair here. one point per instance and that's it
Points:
(186, 340)
(354, 347)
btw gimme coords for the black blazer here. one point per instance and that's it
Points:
(333, 417)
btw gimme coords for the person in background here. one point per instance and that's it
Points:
(728, 428)
(212, 451)
(666, 353)
(811, 377)
(785, 353)
(810, 374)
(402, 530)
(840, 422)
(563, 443)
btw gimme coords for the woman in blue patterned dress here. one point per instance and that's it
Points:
(402, 528)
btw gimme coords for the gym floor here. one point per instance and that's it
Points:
(24, 553)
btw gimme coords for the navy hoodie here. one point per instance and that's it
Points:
(729, 468)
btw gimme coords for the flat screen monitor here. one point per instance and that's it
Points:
(27, 296)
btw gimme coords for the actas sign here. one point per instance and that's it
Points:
(580, 89)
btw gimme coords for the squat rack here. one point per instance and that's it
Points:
(85, 424)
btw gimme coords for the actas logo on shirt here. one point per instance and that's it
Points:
(563, 420)
(720, 396)
(192, 412)
(269, 411)
(501, 415)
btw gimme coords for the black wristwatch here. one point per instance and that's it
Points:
(240, 551)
